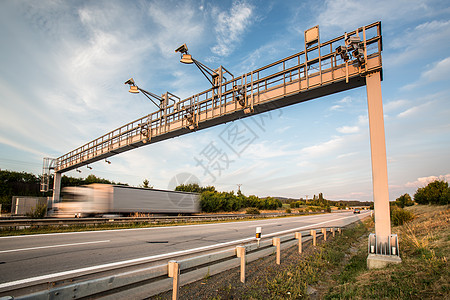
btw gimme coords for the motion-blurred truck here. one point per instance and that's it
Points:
(105, 199)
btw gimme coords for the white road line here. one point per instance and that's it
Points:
(152, 258)
(259, 225)
(53, 246)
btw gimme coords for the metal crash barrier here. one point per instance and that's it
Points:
(148, 281)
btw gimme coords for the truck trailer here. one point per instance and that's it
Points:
(105, 199)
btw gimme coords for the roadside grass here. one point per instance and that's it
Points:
(424, 272)
(320, 269)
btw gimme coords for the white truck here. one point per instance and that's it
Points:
(105, 199)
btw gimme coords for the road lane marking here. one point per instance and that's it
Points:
(155, 257)
(259, 225)
(54, 246)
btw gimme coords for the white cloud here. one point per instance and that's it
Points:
(393, 105)
(283, 129)
(341, 104)
(409, 112)
(424, 40)
(346, 100)
(348, 154)
(423, 181)
(363, 120)
(414, 110)
(323, 148)
(231, 26)
(349, 14)
(335, 107)
(348, 129)
(21, 146)
(265, 150)
(261, 56)
(416, 43)
(175, 25)
(440, 71)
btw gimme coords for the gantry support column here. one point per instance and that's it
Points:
(56, 187)
(379, 170)
(379, 161)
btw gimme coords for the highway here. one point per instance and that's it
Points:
(46, 257)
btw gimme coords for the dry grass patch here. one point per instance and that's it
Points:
(424, 271)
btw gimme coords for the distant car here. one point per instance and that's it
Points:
(356, 211)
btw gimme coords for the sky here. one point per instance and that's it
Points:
(63, 65)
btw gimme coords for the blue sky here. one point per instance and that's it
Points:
(63, 64)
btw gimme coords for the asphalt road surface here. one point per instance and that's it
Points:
(25, 259)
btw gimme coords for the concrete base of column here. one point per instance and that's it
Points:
(377, 261)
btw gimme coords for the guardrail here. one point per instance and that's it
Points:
(148, 281)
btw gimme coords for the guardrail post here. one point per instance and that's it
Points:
(174, 272)
(298, 235)
(240, 252)
(276, 242)
(332, 231)
(339, 230)
(324, 232)
(313, 233)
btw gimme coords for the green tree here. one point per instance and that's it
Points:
(194, 188)
(404, 200)
(146, 184)
(17, 184)
(436, 192)
(94, 179)
(90, 179)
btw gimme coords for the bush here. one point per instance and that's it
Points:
(288, 211)
(252, 211)
(399, 216)
(436, 192)
(404, 200)
(39, 212)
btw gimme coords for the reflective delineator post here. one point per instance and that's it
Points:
(240, 252)
(276, 242)
(258, 234)
(298, 235)
(174, 272)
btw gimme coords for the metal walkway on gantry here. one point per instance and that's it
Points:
(321, 69)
